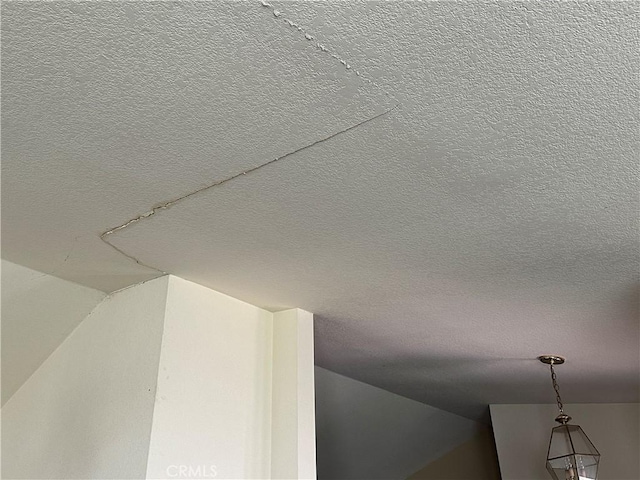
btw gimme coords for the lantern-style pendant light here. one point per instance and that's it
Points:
(571, 454)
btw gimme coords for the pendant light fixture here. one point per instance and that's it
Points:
(571, 454)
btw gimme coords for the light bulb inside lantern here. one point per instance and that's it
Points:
(570, 471)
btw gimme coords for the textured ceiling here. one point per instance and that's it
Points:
(109, 108)
(451, 187)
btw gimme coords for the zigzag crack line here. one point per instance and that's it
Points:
(104, 235)
(131, 257)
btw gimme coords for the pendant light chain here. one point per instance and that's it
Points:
(556, 388)
(564, 462)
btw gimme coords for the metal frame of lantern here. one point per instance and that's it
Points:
(571, 455)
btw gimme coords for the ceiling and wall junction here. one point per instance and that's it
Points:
(450, 187)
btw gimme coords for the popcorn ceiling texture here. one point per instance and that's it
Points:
(489, 218)
(112, 108)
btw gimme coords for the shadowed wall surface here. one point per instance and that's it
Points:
(475, 459)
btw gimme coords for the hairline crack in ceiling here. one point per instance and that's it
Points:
(483, 218)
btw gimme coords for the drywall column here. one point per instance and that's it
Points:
(169, 379)
(522, 435)
(212, 415)
(293, 409)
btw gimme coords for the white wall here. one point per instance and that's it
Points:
(168, 379)
(38, 313)
(213, 403)
(364, 432)
(522, 435)
(86, 412)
